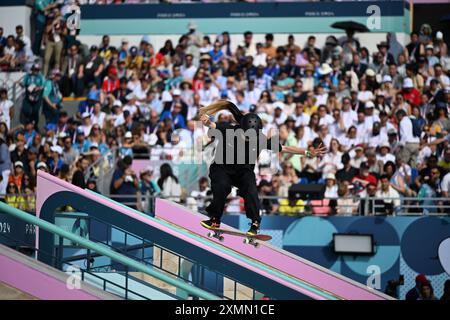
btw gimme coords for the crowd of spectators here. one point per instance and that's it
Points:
(383, 115)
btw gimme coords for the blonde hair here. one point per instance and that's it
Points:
(220, 105)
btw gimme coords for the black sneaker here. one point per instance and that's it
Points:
(254, 228)
(212, 223)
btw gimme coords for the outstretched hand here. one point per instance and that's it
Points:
(319, 151)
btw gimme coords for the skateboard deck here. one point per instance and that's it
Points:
(248, 239)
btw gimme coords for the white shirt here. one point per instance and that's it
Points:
(387, 157)
(131, 108)
(321, 99)
(445, 183)
(260, 59)
(371, 119)
(86, 129)
(387, 196)
(302, 119)
(252, 96)
(406, 131)
(281, 119)
(331, 192)
(326, 120)
(349, 118)
(140, 93)
(208, 96)
(5, 106)
(98, 119)
(365, 95)
(375, 141)
(188, 73)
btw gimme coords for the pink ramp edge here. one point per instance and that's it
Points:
(36, 283)
(273, 257)
(48, 184)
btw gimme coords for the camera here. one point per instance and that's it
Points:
(392, 286)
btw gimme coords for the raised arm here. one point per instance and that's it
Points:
(207, 122)
(314, 152)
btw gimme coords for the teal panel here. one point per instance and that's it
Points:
(309, 231)
(232, 25)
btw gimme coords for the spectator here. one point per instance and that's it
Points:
(330, 186)
(348, 172)
(125, 182)
(6, 108)
(415, 293)
(33, 83)
(53, 44)
(78, 178)
(389, 197)
(93, 67)
(409, 143)
(446, 294)
(52, 98)
(5, 163)
(168, 183)
(346, 205)
(427, 292)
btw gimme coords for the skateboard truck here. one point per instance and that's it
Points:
(216, 234)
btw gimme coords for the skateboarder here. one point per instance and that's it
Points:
(227, 171)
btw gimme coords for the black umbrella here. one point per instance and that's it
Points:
(350, 25)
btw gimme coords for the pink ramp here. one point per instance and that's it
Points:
(273, 257)
(48, 185)
(42, 281)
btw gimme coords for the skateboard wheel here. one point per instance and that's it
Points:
(256, 244)
(246, 241)
(221, 238)
(210, 234)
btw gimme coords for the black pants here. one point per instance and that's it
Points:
(223, 177)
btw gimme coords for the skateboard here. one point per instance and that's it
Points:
(248, 239)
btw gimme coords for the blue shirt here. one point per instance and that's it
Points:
(216, 56)
(178, 121)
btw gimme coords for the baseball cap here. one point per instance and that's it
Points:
(117, 103)
(94, 48)
(41, 165)
(128, 135)
(56, 149)
(176, 92)
(439, 35)
(392, 132)
(133, 49)
(86, 115)
(385, 144)
(387, 78)
(62, 135)
(330, 176)
(147, 169)
(421, 278)
(18, 164)
(364, 165)
(369, 105)
(408, 83)
(370, 73)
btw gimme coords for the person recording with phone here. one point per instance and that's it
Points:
(124, 182)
